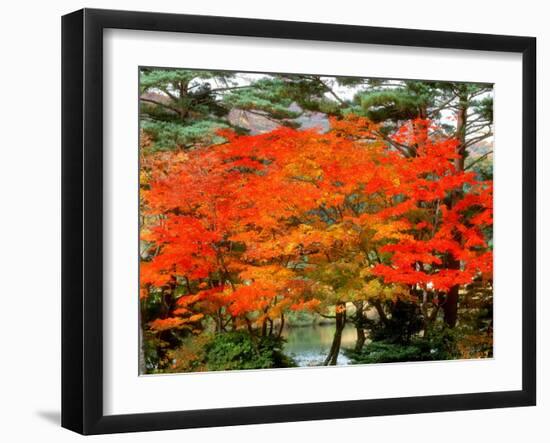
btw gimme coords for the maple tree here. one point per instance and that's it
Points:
(245, 231)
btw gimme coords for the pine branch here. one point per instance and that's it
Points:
(477, 160)
(163, 105)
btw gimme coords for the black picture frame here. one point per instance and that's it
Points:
(82, 218)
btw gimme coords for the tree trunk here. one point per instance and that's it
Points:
(361, 338)
(332, 357)
(380, 310)
(281, 325)
(219, 321)
(359, 326)
(450, 307)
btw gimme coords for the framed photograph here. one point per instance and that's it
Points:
(269, 221)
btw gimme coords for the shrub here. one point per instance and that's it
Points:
(239, 350)
(227, 351)
(439, 344)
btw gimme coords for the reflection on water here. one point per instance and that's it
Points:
(310, 345)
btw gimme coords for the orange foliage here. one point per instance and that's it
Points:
(241, 224)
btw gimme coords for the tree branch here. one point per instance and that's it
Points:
(479, 159)
(475, 140)
(404, 149)
(164, 105)
(330, 91)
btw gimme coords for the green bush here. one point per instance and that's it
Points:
(384, 352)
(239, 350)
(439, 344)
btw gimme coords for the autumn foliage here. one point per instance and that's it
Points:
(240, 233)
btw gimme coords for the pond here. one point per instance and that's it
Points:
(309, 345)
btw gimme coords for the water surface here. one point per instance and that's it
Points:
(309, 345)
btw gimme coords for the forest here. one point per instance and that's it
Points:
(291, 220)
